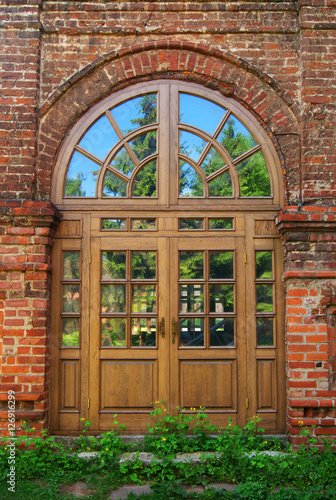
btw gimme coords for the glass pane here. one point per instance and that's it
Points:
(221, 331)
(136, 112)
(235, 138)
(190, 181)
(113, 298)
(220, 223)
(81, 176)
(213, 162)
(191, 224)
(145, 181)
(113, 265)
(265, 331)
(113, 332)
(221, 265)
(144, 145)
(191, 298)
(191, 332)
(71, 265)
(70, 298)
(143, 298)
(191, 145)
(122, 162)
(143, 265)
(113, 223)
(100, 138)
(253, 176)
(264, 265)
(221, 298)
(191, 265)
(200, 112)
(143, 332)
(264, 298)
(221, 185)
(70, 335)
(113, 185)
(143, 224)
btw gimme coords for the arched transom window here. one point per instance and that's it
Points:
(175, 134)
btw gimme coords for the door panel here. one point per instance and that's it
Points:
(208, 308)
(127, 346)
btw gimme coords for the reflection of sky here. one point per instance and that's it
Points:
(192, 145)
(80, 165)
(200, 113)
(100, 138)
(190, 177)
(129, 110)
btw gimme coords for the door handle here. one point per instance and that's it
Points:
(174, 329)
(162, 329)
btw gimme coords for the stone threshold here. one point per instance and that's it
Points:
(195, 457)
(137, 440)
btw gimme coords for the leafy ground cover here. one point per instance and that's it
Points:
(42, 465)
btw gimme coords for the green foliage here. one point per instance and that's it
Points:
(73, 187)
(42, 465)
(252, 172)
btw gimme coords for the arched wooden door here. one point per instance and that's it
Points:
(166, 282)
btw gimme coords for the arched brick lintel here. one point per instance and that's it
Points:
(169, 45)
(156, 60)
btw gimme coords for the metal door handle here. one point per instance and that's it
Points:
(174, 329)
(162, 329)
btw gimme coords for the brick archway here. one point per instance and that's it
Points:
(220, 71)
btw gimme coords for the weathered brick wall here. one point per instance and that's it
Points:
(26, 235)
(20, 77)
(310, 244)
(58, 58)
(318, 82)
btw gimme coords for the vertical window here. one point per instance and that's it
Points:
(264, 285)
(71, 286)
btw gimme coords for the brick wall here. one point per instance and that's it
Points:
(58, 58)
(25, 269)
(309, 235)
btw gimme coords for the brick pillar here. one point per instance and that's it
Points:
(309, 235)
(26, 234)
(20, 79)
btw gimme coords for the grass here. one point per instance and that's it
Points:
(43, 466)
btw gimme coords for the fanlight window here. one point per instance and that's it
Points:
(118, 155)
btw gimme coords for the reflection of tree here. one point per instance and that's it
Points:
(71, 265)
(143, 298)
(113, 332)
(113, 298)
(143, 265)
(143, 332)
(221, 298)
(191, 265)
(114, 265)
(70, 337)
(73, 187)
(70, 298)
(143, 145)
(253, 174)
(221, 265)
(264, 265)
(265, 298)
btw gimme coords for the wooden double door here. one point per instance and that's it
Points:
(163, 310)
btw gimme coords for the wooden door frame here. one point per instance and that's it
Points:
(89, 211)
